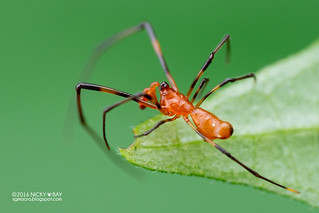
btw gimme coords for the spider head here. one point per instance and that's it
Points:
(163, 85)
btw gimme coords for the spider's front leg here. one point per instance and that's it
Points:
(93, 87)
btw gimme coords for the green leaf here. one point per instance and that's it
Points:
(276, 123)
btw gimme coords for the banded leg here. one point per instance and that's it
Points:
(209, 61)
(99, 88)
(156, 126)
(201, 87)
(100, 49)
(222, 150)
(106, 110)
(250, 75)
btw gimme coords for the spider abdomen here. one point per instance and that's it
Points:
(210, 125)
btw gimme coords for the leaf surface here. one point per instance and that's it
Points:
(276, 132)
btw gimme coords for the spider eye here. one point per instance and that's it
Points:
(163, 85)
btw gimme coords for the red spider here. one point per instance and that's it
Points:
(172, 102)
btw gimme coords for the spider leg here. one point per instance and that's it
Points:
(201, 88)
(222, 150)
(228, 80)
(101, 48)
(99, 88)
(156, 126)
(209, 61)
(106, 110)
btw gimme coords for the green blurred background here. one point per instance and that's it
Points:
(44, 46)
